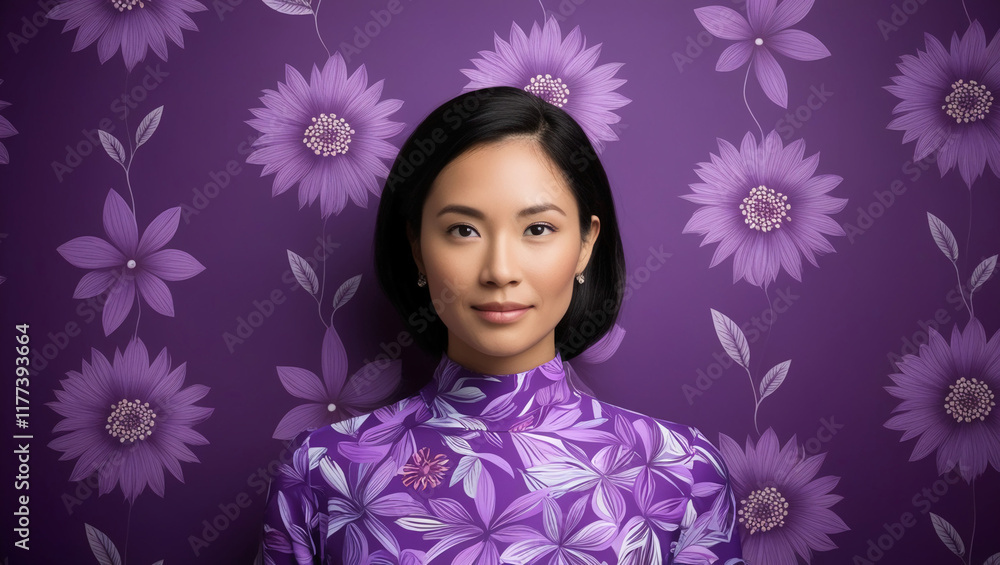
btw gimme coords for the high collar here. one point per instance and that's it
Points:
(511, 402)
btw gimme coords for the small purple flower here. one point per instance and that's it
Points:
(765, 29)
(6, 130)
(948, 102)
(548, 66)
(948, 395)
(129, 262)
(328, 135)
(128, 420)
(783, 509)
(335, 397)
(135, 25)
(750, 197)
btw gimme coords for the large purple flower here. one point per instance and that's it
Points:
(128, 420)
(335, 397)
(328, 135)
(750, 198)
(948, 395)
(765, 29)
(6, 130)
(784, 510)
(128, 262)
(135, 25)
(546, 65)
(948, 102)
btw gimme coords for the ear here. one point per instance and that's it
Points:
(415, 248)
(587, 247)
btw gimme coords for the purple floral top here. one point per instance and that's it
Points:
(491, 469)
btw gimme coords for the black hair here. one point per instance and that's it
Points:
(471, 119)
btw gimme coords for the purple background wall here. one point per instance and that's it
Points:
(843, 321)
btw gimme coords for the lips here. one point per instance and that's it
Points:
(500, 306)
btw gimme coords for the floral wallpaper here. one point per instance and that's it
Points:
(175, 317)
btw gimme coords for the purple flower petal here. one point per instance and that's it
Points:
(159, 231)
(797, 44)
(119, 304)
(89, 252)
(770, 76)
(724, 23)
(119, 223)
(734, 56)
(172, 265)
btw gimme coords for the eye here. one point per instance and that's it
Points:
(463, 230)
(539, 229)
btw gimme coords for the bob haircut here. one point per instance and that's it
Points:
(480, 117)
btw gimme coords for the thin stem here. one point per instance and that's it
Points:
(966, 12)
(543, 9)
(322, 286)
(128, 527)
(745, 77)
(316, 22)
(968, 239)
(973, 537)
(756, 403)
(960, 291)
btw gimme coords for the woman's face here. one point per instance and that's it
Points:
(500, 225)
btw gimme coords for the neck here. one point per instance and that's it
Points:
(480, 362)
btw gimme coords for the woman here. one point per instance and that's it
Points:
(496, 240)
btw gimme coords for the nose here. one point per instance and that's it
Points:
(501, 264)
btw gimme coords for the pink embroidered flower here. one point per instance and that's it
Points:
(425, 471)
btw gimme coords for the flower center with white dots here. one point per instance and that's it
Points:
(764, 509)
(765, 209)
(328, 135)
(331, 407)
(122, 5)
(130, 264)
(968, 101)
(969, 400)
(130, 420)
(758, 41)
(552, 90)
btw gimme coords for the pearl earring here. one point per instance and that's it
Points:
(421, 280)
(579, 278)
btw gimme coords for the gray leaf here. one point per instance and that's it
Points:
(773, 379)
(732, 338)
(346, 291)
(104, 550)
(943, 237)
(303, 272)
(147, 126)
(983, 272)
(948, 535)
(293, 7)
(113, 147)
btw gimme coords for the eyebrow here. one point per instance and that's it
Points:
(470, 211)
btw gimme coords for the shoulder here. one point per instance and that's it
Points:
(666, 440)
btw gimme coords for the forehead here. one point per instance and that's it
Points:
(514, 172)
